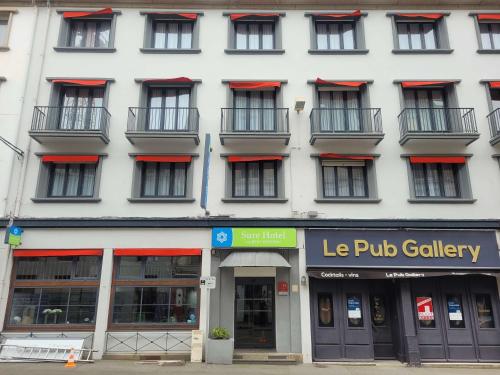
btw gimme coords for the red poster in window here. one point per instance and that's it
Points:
(425, 309)
(282, 288)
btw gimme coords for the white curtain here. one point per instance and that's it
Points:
(268, 176)
(495, 33)
(253, 35)
(154, 109)
(255, 111)
(353, 113)
(267, 36)
(403, 40)
(96, 111)
(68, 110)
(241, 36)
(348, 36)
(183, 109)
(160, 35)
(91, 34)
(450, 189)
(325, 112)
(77, 34)
(322, 36)
(72, 180)
(88, 180)
(439, 111)
(338, 111)
(268, 116)
(334, 35)
(429, 36)
(240, 110)
(172, 35)
(163, 180)
(170, 110)
(239, 179)
(103, 36)
(253, 179)
(149, 179)
(433, 180)
(419, 180)
(179, 180)
(343, 181)
(416, 42)
(81, 110)
(358, 181)
(186, 35)
(58, 177)
(329, 182)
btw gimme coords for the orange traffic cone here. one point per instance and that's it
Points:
(71, 359)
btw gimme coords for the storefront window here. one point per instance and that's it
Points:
(484, 311)
(53, 306)
(159, 267)
(455, 311)
(58, 268)
(378, 309)
(325, 310)
(425, 312)
(354, 311)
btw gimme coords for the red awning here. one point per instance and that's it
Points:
(168, 80)
(494, 84)
(488, 16)
(320, 81)
(19, 253)
(254, 85)
(356, 13)
(347, 157)
(156, 252)
(189, 16)
(408, 84)
(237, 16)
(82, 82)
(437, 159)
(235, 159)
(165, 158)
(86, 14)
(427, 16)
(91, 159)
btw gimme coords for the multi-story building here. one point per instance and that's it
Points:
(335, 169)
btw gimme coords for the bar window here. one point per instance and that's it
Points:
(71, 180)
(171, 34)
(163, 179)
(436, 180)
(255, 179)
(335, 35)
(58, 268)
(417, 36)
(490, 35)
(325, 310)
(484, 310)
(344, 179)
(420, 32)
(160, 267)
(254, 35)
(89, 33)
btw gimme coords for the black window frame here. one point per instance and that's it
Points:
(261, 179)
(490, 35)
(99, 21)
(456, 177)
(155, 21)
(421, 34)
(260, 23)
(341, 38)
(51, 171)
(351, 184)
(164, 90)
(74, 265)
(172, 166)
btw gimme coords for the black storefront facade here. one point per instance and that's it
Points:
(411, 295)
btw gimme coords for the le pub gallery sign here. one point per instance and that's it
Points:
(426, 249)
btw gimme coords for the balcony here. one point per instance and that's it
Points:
(356, 125)
(494, 120)
(254, 123)
(438, 125)
(162, 123)
(50, 124)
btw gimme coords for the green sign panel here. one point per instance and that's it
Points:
(254, 237)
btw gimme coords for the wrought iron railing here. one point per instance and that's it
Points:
(494, 121)
(437, 121)
(134, 342)
(70, 120)
(254, 120)
(345, 120)
(163, 120)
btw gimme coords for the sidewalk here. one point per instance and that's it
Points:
(107, 367)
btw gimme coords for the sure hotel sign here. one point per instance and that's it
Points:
(401, 248)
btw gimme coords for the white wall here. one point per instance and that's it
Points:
(297, 66)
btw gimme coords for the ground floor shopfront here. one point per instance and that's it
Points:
(407, 295)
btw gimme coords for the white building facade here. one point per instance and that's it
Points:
(124, 113)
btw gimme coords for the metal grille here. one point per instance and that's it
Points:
(136, 342)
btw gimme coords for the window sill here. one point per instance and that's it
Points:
(338, 51)
(161, 200)
(4, 49)
(254, 200)
(66, 200)
(233, 51)
(488, 51)
(422, 51)
(442, 200)
(180, 51)
(84, 49)
(348, 200)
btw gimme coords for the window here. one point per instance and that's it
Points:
(81, 108)
(168, 109)
(156, 290)
(255, 179)
(335, 35)
(325, 310)
(436, 180)
(172, 34)
(254, 111)
(354, 310)
(344, 179)
(89, 33)
(455, 311)
(64, 302)
(339, 111)
(71, 180)
(163, 180)
(427, 110)
(484, 311)
(379, 311)
(425, 311)
(5, 23)
(490, 35)
(254, 35)
(417, 36)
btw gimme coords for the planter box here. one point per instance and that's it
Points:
(220, 351)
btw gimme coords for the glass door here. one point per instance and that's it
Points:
(254, 313)
(339, 111)
(168, 109)
(81, 108)
(427, 110)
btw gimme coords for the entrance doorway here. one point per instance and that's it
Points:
(254, 325)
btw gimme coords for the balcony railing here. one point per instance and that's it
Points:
(257, 123)
(438, 123)
(162, 122)
(58, 122)
(346, 123)
(494, 120)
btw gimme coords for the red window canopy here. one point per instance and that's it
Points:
(82, 82)
(236, 159)
(346, 157)
(87, 14)
(409, 84)
(437, 159)
(165, 158)
(238, 16)
(494, 84)
(320, 81)
(169, 80)
(356, 13)
(488, 16)
(21, 253)
(189, 16)
(79, 159)
(427, 16)
(254, 85)
(156, 252)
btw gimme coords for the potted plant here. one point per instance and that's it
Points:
(220, 347)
